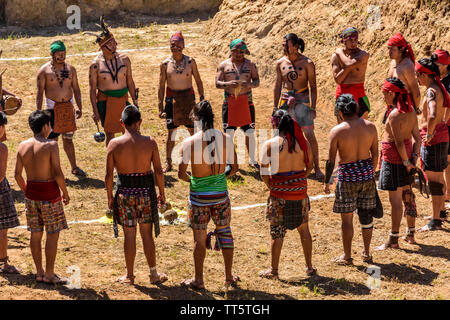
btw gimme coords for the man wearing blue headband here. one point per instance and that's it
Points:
(59, 81)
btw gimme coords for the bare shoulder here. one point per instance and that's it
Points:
(3, 147)
(370, 125)
(364, 53)
(95, 62)
(281, 60)
(224, 63)
(124, 57)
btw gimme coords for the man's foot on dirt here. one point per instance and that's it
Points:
(168, 168)
(126, 279)
(342, 261)
(232, 282)
(159, 279)
(269, 274)
(191, 283)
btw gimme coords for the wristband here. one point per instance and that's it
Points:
(329, 167)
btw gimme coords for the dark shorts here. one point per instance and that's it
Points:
(199, 216)
(448, 127)
(364, 106)
(360, 196)
(393, 176)
(434, 157)
(8, 213)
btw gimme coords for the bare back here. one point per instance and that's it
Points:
(355, 140)
(38, 158)
(133, 153)
(206, 162)
(406, 73)
(400, 126)
(287, 162)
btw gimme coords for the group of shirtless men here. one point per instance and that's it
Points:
(286, 161)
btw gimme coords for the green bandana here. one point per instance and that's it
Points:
(239, 44)
(57, 46)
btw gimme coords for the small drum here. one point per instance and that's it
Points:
(10, 105)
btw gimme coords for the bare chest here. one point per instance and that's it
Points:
(234, 71)
(112, 70)
(58, 77)
(179, 70)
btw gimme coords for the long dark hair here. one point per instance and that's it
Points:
(285, 124)
(399, 83)
(203, 111)
(296, 41)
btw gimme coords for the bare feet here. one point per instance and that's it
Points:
(388, 245)
(168, 167)
(126, 279)
(39, 278)
(434, 224)
(367, 258)
(269, 274)
(55, 279)
(231, 282)
(160, 278)
(410, 239)
(311, 272)
(342, 261)
(193, 284)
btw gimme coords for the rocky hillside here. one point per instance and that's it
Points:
(263, 23)
(54, 12)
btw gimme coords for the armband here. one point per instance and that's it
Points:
(329, 167)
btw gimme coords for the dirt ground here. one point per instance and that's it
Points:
(413, 272)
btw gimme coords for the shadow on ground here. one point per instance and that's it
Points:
(76, 294)
(405, 274)
(183, 293)
(86, 183)
(320, 285)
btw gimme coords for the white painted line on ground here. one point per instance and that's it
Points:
(312, 198)
(86, 54)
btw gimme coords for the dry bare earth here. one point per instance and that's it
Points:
(414, 272)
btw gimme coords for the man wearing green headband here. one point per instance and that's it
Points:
(59, 81)
(237, 76)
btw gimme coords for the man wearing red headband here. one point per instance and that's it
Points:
(402, 66)
(434, 134)
(177, 72)
(110, 82)
(349, 70)
(284, 174)
(442, 59)
(398, 158)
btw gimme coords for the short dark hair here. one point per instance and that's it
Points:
(131, 115)
(3, 119)
(38, 119)
(295, 41)
(346, 104)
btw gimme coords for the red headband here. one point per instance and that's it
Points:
(402, 105)
(398, 40)
(443, 57)
(177, 36)
(422, 69)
